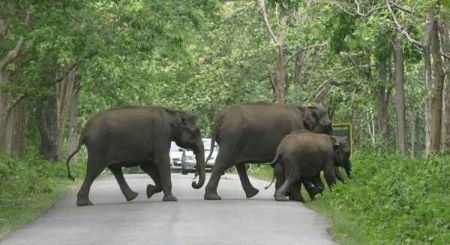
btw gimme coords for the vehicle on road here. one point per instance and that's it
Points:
(176, 155)
(188, 165)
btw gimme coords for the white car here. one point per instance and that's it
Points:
(212, 160)
(176, 155)
(189, 160)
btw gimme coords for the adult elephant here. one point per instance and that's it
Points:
(138, 136)
(250, 133)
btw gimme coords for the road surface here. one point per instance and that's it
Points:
(191, 220)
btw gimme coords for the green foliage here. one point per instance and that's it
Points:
(393, 199)
(29, 185)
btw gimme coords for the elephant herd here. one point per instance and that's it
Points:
(295, 139)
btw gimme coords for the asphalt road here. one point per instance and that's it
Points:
(191, 220)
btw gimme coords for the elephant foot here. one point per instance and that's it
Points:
(169, 198)
(212, 195)
(296, 198)
(314, 190)
(281, 198)
(83, 202)
(131, 196)
(251, 193)
(151, 189)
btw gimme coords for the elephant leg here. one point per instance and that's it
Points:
(279, 177)
(93, 169)
(152, 172)
(124, 187)
(313, 186)
(223, 161)
(296, 192)
(163, 170)
(250, 191)
(292, 176)
(330, 174)
(281, 194)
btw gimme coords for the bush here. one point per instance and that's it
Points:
(395, 199)
(29, 185)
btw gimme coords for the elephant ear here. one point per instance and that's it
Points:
(335, 141)
(182, 119)
(308, 117)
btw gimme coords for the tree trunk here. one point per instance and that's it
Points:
(7, 115)
(65, 93)
(399, 95)
(428, 77)
(47, 117)
(299, 62)
(412, 114)
(282, 69)
(436, 89)
(445, 139)
(383, 97)
(73, 125)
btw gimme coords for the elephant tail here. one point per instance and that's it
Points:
(80, 143)
(271, 182)
(272, 163)
(275, 160)
(211, 149)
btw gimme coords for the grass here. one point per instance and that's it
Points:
(28, 187)
(392, 199)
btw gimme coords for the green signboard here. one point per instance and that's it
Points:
(344, 130)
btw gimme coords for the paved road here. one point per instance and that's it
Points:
(191, 220)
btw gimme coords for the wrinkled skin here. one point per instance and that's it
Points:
(138, 136)
(250, 133)
(304, 154)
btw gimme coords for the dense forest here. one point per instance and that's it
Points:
(382, 65)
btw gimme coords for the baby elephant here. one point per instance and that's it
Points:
(302, 155)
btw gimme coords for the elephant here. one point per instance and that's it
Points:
(250, 133)
(314, 185)
(304, 154)
(138, 136)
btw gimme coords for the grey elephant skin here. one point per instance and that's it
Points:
(304, 154)
(138, 136)
(250, 133)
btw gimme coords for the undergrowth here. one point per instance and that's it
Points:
(392, 199)
(28, 186)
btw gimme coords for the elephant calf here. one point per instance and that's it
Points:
(303, 155)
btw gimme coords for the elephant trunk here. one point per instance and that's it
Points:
(199, 152)
(348, 170)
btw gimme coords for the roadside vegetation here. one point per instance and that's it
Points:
(29, 186)
(392, 199)
(383, 66)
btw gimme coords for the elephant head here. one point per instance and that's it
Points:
(187, 134)
(342, 153)
(317, 120)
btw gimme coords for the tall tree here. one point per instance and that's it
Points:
(399, 94)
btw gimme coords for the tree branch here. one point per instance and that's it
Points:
(262, 6)
(317, 92)
(400, 28)
(73, 66)
(57, 80)
(14, 53)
